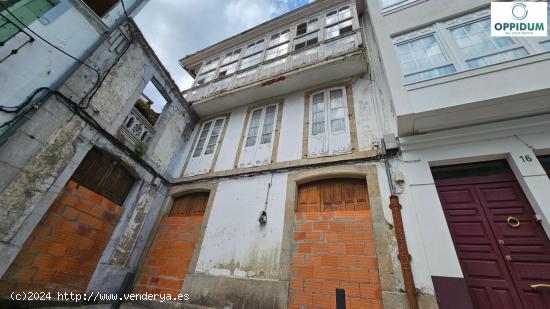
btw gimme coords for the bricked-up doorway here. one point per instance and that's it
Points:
(63, 250)
(168, 259)
(334, 247)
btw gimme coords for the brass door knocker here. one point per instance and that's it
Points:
(513, 222)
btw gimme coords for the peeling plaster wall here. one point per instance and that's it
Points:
(42, 155)
(38, 64)
(234, 243)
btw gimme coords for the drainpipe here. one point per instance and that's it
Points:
(403, 252)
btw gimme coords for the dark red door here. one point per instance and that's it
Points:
(504, 253)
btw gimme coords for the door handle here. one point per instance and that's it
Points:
(540, 286)
(513, 222)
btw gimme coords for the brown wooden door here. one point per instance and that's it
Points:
(500, 261)
(333, 195)
(193, 204)
(105, 176)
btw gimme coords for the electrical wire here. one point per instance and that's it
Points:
(130, 41)
(48, 42)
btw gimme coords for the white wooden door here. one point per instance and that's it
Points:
(265, 146)
(338, 122)
(251, 139)
(329, 130)
(203, 154)
(317, 136)
(258, 141)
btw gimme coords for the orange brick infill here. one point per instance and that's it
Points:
(167, 261)
(62, 252)
(334, 250)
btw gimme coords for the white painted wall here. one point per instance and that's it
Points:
(231, 139)
(291, 136)
(234, 243)
(38, 64)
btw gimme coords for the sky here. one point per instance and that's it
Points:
(175, 28)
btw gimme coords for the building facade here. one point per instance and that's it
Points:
(85, 161)
(472, 120)
(267, 183)
(282, 199)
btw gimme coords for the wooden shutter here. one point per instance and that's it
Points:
(105, 176)
(333, 195)
(193, 204)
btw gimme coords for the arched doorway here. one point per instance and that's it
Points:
(170, 254)
(334, 246)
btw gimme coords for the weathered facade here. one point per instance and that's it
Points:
(282, 197)
(81, 183)
(341, 153)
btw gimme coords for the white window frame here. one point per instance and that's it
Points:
(202, 162)
(249, 154)
(463, 59)
(451, 51)
(339, 21)
(328, 147)
(309, 32)
(205, 70)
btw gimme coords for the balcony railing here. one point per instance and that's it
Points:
(292, 61)
(136, 129)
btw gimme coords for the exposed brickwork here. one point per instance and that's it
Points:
(334, 250)
(62, 252)
(168, 259)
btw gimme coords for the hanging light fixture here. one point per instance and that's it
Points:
(263, 215)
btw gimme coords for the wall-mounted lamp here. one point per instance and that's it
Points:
(263, 218)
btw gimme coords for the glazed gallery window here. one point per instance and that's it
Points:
(229, 63)
(307, 34)
(460, 44)
(338, 22)
(258, 141)
(278, 45)
(480, 49)
(423, 59)
(329, 129)
(208, 71)
(205, 147)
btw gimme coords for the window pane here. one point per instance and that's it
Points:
(475, 39)
(332, 17)
(338, 111)
(412, 78)
(254, 48)
(214, 136)
(420, 54)
(276, 51)
(497, 58)
(250, 61)
(253, 128)
(318, 113)
(267, 129)
(202, 139)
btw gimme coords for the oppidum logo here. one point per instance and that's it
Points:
(519, 18)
